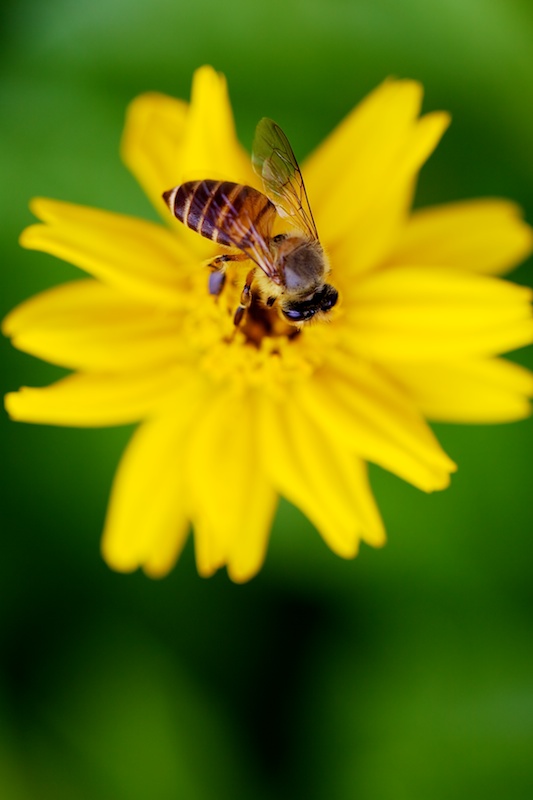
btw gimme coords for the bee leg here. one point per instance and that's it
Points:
(217, 278)
(246, 298)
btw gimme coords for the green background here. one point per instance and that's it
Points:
(407, 673)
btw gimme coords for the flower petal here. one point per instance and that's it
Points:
(89, 400)
(414, 314)
(210, 148)
(233, 501)
(147, 520)
(487, 236)
(360, 180)
(152, 141)
(209, 551)
(133, 255)
(167, 142)
(368, 414)
(210, 145)
(487, 391)
(315, 472)
(92, 327)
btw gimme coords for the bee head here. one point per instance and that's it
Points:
(302, 310)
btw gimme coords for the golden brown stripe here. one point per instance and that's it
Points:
(228, 192)
(199, 196)
(266, 206)
(206, 225)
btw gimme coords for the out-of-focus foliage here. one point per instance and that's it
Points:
(407, 673)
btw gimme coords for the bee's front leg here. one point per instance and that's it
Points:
(217, 278)
(246, 298)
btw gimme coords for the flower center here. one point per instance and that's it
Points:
(263, 350)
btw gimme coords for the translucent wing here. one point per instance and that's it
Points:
(230, 214)
(275, 162)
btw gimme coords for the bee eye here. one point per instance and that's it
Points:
(299, 314)
(322, 300)
(328, 297)
(279, 238)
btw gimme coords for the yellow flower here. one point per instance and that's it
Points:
(229, 423)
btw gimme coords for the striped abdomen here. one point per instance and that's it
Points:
(228, 213)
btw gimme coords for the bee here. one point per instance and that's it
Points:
(289, 269)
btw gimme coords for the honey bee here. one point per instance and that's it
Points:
(289, 268)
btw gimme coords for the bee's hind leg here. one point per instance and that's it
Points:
(246, 298)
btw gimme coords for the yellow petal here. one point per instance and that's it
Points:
(167, 142)
(250, 546)
(379, 123)
(166, 549)
(210, 145)
(360, 180)
(258, 503)
(487, 391)
(209, 551)
(89, 400)
(368, 239)
(368, 414)
(414, 314)
(92, 327)
(487, 236)
(147, 520)
(133, 255)
(151, 144)
(315, 472)
(233, 502)
(210, 148)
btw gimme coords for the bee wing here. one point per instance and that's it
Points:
(230, 214)
(243, 228)
(274, 161)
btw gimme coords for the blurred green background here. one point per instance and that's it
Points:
(407, 673)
